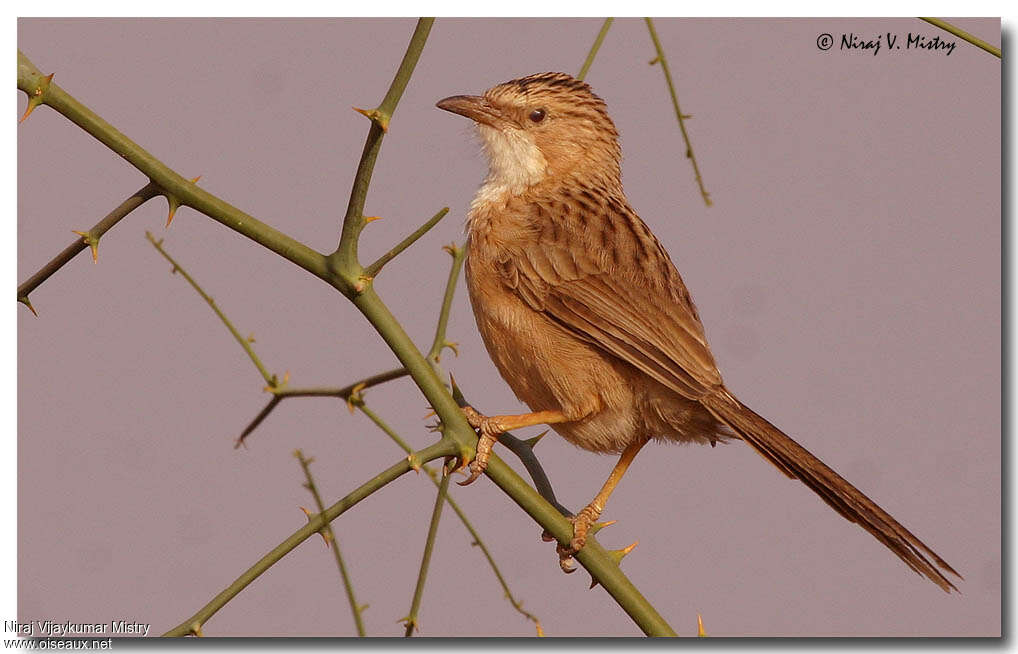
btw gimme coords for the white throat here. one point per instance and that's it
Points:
(514, 163)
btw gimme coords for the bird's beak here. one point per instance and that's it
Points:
(474, 107)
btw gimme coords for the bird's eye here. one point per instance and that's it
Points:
(537, 115)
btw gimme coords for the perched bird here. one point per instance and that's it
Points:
(587, 319)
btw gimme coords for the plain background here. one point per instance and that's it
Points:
(848, 277)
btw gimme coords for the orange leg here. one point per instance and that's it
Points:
(590, 513)
(491, 426)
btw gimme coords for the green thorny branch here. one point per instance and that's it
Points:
(417, 465)
(660, 59)
(352, 394)
(332, 542)
(343, 271)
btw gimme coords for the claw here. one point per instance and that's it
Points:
(565, 559)
(475, 472)
(462, 460)
(489, 430)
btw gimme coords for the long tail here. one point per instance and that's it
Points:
(796, 462)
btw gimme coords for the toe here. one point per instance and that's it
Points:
(475, 472)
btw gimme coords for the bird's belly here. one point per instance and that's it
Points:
(613, 403)
(550, 369)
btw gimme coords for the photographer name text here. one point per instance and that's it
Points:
(52, 628)
(889, 42)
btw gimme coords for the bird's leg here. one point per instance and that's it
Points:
(589, 514)
(489, 427)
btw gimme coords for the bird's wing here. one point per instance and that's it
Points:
(627, 300)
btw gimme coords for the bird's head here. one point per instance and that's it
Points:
(548, 126)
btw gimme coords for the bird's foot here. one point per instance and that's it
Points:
(488, 430)
(582, 522)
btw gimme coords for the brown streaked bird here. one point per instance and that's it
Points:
(586, 317)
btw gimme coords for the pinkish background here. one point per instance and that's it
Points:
(848, 277)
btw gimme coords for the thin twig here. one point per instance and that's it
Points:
(138, 198)
(245, 343)
(330, 538)
(384, 426)
(278, 395)
(429, 546)
(378, 481)
(962, 34)
(344, 260)
(678, 112)
(440, 342)
(594, 48)
(373, 269)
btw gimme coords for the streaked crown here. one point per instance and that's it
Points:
(543, 128)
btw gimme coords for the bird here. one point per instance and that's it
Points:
(586, 318)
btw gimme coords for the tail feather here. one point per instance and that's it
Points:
(797, 462)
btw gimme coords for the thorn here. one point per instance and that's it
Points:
(452, 249)
(464, 460)
(415, 463)
(598, 526)
(457, 394)
(531, 442)
(654, 61)
(321, 532)
(375, 116)
(276, 385)
(540, 631)
(28, 110)
(251, 338)
(92, 243)
(24, 300)
(196, 629)
(174, 204)
(353, 400)
(371, 219)
(617, 556)
(35, 97)
(454, 346)
(700, 632)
